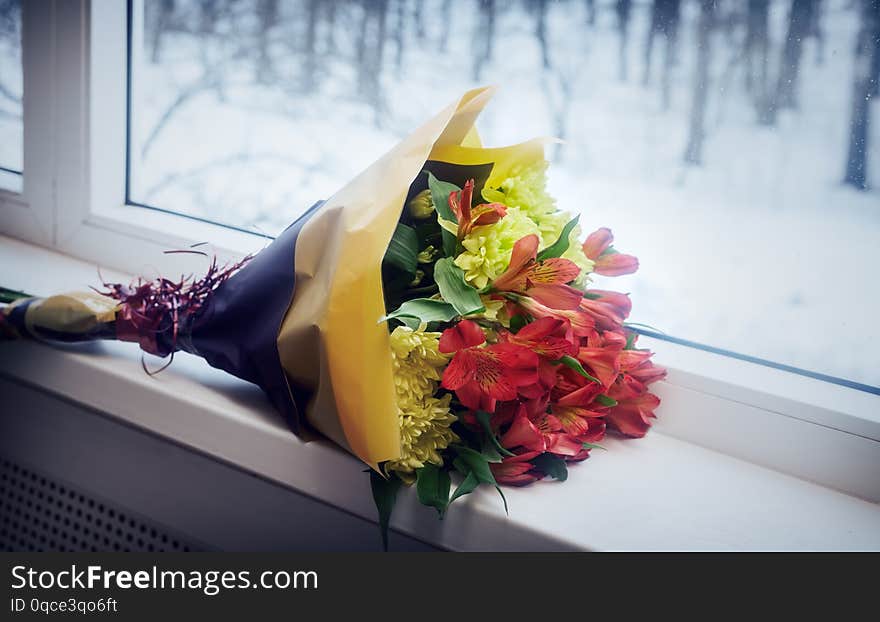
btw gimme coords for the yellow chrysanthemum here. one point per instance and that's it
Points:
(424, 419)
(487, 249)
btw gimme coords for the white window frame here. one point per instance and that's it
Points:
(73, 201)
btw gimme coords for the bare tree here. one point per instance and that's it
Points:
(693, 153)
(800, 21)
(540, 7)
(591, 12)
(159, 17)
(267, 16)
(330, 33)
(665, 20)
(817, 32)
(484, 37)
(445, 24)
(623, 8)
(865, 87)
(419, 18)
(400, 34)
(757, 49)
(371, 52)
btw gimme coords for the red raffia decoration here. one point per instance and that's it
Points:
(154, 313)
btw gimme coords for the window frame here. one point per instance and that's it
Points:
(74, 200)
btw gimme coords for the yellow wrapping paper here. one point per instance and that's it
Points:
(331, 339)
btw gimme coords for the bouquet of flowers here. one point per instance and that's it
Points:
(435, 318)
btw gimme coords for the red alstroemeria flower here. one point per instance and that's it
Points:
(588, 426)
(647, 372)
(602, 362)
(549, 338)
(468, 217)
(545, 281)
(608, 261)
(540, 431)
(637, 364)
(609, 309)
(582, 323)
(481, 375)
(632, 416)
(516, 470)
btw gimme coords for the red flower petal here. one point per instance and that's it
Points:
(555, 296)
(518, 364)
(524, 251)
(548, 337)
(487, 214)
(602, 362)
(523, 433)
(616, 264)
(554, 270)
(597, 242)
(609, 310)
(465, 334)
(633, 417)
(582, 324)
(563, 444)
(460, 370)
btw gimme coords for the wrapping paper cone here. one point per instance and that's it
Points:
(302, 319)
(332, 339)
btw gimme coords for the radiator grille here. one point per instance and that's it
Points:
(38, 513)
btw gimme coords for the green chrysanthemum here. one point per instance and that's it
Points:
(526, 189)
(487, 248)
(424, 419)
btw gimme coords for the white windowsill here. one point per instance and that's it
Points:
(679, 488)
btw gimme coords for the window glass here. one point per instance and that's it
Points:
(727, 143)
(11, 87)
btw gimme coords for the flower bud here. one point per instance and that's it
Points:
(421, 206)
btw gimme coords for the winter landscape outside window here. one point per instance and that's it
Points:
(11, 154)
(727, 141)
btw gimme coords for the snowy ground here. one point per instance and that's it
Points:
(761, 250)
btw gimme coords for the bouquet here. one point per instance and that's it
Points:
(435, 318)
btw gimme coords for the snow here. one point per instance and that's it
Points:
(11, 84)
(760, 250)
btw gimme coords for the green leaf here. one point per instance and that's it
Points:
(561, 245)
(593, 446)
(414, 312)
(11, 295)
(454, 289)
(403, 250)
(440, 191)
(573, 363)
(476, 463)
(466, 487)
(606, 401)
(432, 486)
(384, 494)
(517, 322)
(551, 465)
(490, 452)
(483, 418)
(630, 342)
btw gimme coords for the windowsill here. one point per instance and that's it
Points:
(679, 488)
